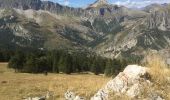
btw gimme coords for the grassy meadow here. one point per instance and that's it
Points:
(16, 86)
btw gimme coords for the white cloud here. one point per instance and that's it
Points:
(139, 3)
(63, 2)
(66, 3)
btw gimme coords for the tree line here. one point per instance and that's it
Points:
(59, 61)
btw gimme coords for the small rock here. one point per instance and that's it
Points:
(34, 98)
(69, 95)
(101, 95)
(155, 96)
(79, 98)
(159, 98)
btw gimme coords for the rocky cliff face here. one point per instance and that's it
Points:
(120, 32)
(39, 5)
(21, 4)
(159, 18)
(139, 34)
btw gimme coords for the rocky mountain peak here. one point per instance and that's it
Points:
(99, 3)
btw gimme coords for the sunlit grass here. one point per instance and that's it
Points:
(159, 72)
(15, 86)
(158, 68)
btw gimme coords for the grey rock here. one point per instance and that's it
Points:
(71, 96)
(126, 82)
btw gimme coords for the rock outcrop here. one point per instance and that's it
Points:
(130, 82)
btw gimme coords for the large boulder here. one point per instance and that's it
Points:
(129, 82)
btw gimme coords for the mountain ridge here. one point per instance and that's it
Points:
(43, 24)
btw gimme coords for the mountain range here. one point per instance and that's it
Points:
(120, 32)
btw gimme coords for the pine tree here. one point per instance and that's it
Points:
(13, 63)
(30, 65)
(95, 67)
(123, 64)
(65, 64)
(49, 56)
(1, 57)
(61, 64)
(55, 65)
(69, 68)
(42, 65)
(17, 61)
(109, 70)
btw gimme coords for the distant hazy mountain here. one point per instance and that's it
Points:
(121, 31)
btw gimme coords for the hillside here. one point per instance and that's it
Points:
(57, 52)
(120, 32)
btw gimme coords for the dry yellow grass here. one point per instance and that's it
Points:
(158, 68)
(159, 71)
(15, 86)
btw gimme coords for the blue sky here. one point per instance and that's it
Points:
(128, 3)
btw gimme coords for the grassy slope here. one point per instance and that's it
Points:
(21, 85)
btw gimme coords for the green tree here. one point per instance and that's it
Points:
(1, 57)
(109, 70)
(69, 67)
(55, 65)
(42, 65)
(95, 67)
(17, 61)
(49, 56)
(65, 64)
(123, 64)
(30, 64)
